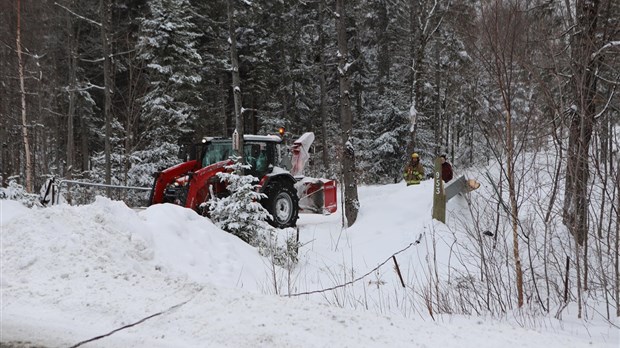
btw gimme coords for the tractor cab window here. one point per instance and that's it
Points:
(258, 156)
(216, 152)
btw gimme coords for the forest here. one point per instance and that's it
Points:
(109, 91)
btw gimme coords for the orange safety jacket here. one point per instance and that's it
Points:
(414, 173)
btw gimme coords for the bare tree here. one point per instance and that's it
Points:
(351, 202)
(583, 110)
(22, 89)
(502, 27)
(424, 20)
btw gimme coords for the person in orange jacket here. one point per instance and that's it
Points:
(414, 172)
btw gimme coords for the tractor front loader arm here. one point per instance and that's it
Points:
(199, 183)
(167, 176)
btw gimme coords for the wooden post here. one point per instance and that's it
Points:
(439, 197)
(398, 271)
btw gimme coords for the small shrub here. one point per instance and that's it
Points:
(16, 192)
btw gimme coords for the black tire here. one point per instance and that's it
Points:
(282, 203)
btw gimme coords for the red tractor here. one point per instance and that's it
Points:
(190, 184)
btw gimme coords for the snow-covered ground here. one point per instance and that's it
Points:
(69, 274)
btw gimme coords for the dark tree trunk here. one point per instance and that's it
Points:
(223, 102)
(6, 96)
(107, 79)
(351, 203)
(576, 204)
(72, 50)
(384, 48)
(323, 86)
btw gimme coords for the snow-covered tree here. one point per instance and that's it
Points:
(167, 45)
(17, 192)
(240, 213)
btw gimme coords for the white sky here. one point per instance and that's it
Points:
(72, 273)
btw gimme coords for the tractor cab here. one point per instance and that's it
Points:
(261, 152)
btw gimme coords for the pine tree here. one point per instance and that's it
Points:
(167, 44)
(240, 213)
(381, 128)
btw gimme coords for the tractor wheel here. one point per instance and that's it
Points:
(282, 203)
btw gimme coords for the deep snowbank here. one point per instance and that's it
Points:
(72, 273)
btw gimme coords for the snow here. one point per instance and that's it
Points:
(464, 55)
(413, 115)
(70, 273)
(604, 47)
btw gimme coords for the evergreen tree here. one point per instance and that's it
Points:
(382, 103)
(240, 213)
(214, 114)
(167, 44)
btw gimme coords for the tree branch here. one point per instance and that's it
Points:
(79, 16)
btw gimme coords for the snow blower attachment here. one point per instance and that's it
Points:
(191, 184)
(315, 195)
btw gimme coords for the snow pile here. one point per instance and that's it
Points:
(108, 238)
(72, 273)
(106, 264)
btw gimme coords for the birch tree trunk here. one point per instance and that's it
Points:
(425, 19)
(417, 55)
(235, 79)
(351, 202)
(22, 89)
(514, 207)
